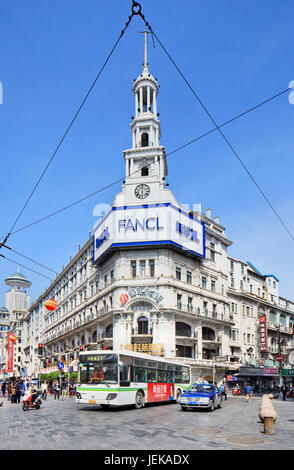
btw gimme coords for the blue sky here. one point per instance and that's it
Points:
(235, 55)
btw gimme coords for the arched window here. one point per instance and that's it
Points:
(145, 171)
(144, 140)
(208, 334)
(142, 326)
(182, 329)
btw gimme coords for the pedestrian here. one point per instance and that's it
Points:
(248, 390)
(224, 390)
(18, 390)
(3, 389)
(284, 391)
(64, 392)
(44, 388)
(13, 393)
(56, 391)
(9, 390)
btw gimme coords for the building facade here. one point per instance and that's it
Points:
(157, 278)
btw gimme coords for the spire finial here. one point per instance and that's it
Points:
(145, 48)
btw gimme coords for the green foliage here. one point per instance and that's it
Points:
(54, 376)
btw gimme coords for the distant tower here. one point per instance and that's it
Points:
(17, 300)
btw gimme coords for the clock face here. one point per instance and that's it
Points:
(142, 191)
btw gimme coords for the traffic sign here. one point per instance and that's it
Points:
(279, 358)
(60, 365)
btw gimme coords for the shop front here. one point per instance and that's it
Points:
(262, 379)
(288, 376)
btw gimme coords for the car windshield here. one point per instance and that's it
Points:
(98, 369)
(204, 388)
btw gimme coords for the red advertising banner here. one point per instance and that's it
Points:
(263, 333)
(11, 340)
(160, 392)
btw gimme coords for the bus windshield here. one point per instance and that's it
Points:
(98, 369)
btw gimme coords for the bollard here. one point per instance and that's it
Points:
(268, 425)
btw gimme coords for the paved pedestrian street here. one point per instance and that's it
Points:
(63, 425)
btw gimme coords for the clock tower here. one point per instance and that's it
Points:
(146, 167)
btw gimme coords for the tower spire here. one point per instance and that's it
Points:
(145, 49)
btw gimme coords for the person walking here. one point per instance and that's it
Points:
(56, 391)
(224, 390)
(18, 391)
(284, 391)
(13, 393)
(3, 389)
(64, 392)
(248, 391)
(44, 389)
(9, 390)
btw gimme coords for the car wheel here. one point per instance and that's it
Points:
(139, 402)
(183, 408)
(211, 406)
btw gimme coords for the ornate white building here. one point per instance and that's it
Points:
(157, 278)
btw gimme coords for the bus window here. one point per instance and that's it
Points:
(170, 377)
(186, 375)
(161, 375)
(124, 373)
(139, 374)
(151, 375)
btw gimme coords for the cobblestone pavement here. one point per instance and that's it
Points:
(63, 425)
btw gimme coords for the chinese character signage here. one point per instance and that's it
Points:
(263, 333)
(159, 392)
(146, 348)
(145, 292)
(11, 340)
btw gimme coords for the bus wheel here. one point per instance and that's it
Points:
(139, 401)
(178, 396)
(105, 407)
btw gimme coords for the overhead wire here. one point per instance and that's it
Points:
(67, 129)
(30, 269)
(217, 127)
(205, 134)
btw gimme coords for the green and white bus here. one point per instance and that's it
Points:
(114, 378)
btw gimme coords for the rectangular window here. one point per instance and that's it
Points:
(190, 307)
(111, 276)
(152, 267)
(178, 274)
(179, 301)
(213, 286)
(143, 268)
(204, 282)
(189, 277)
(241, 285)
(242, 269)
(251, 289)
(105, 280)
(134, 269)
(232, 282)
(232, 265)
